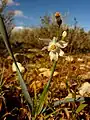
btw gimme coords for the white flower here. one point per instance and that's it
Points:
(22, 69)
(64, 34)
(53, 45)
(55, 49)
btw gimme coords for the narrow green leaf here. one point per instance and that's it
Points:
(44, 93)
(8, 46)
(71, 100)
(81, 107)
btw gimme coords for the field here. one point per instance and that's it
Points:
(44, 84)
(73, 70)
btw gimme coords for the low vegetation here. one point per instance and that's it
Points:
(46, 86)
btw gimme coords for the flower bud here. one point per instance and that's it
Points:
(58, 18)
(64, 34)
(57, 14)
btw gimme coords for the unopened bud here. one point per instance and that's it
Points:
(64, 34)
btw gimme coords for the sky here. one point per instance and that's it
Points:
(28, 12)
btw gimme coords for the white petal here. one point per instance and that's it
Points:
(52, 42)
(54, 39)
(58, 45)
(63, 44)
(44, 48)
(61, 53)
(56, 57)
(52, 46)
(53, 56)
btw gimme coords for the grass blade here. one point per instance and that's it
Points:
(71, 100)
(8, 46)
(81, 107)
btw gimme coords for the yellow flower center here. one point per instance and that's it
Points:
(53, 47)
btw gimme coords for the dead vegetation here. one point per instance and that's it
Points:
(12, 106)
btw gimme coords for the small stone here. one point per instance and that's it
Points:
(22, 69)
(62, 85)
(85, 76)
(46, 72)
(69, 58)
(43, 69)
(71, 96)
(84, 90)
(82, 66)
(80, 59)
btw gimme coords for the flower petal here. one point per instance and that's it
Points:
(54, 39)
(56, 57)
(63, 44)
(58, 45)
(53, 56)
(52, 46)
(61, 53)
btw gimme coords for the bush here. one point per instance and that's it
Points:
(77, 38)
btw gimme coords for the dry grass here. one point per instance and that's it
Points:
(78, 39)
(58, 89)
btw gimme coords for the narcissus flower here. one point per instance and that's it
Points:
(55, 49)
(53, 45)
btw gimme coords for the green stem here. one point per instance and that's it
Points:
(44, 93)
(52, 72)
